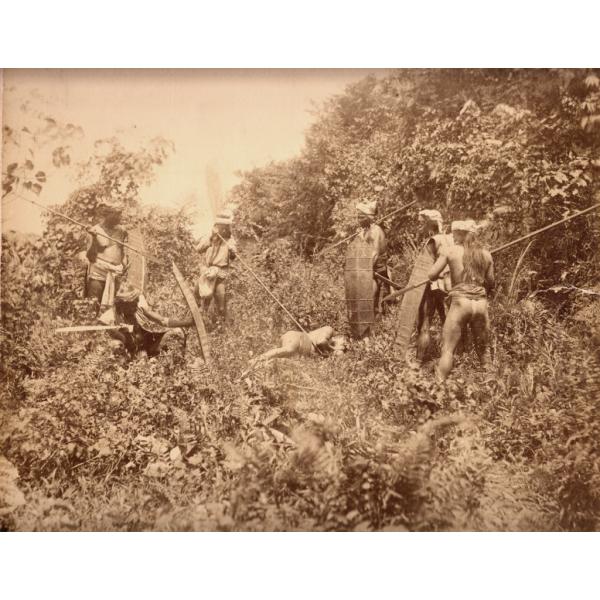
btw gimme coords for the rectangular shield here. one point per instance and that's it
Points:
(137, 272)
(358, 279)
(409, 309)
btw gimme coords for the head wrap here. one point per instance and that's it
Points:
(469, 225)
(224, 217)
(127, 293)
(109, 205)
(432, 215)
(367, 208)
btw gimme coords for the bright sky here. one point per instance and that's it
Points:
(228, 120)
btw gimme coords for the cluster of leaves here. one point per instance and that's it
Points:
(361, 441)
(38, 134)
(354, 442)
(506, 145)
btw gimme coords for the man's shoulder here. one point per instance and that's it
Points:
(376, 231)
(452, 250)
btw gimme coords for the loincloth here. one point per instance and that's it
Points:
(470, 291)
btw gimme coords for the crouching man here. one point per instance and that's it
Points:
(149, 327)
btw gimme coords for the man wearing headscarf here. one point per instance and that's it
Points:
(373, 234)
(107, 258)
(431, 227)
(149, 327)
(219, 250)
(472, 274)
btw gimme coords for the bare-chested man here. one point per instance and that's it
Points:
(472, 275)
(107, 258)
(149, 327)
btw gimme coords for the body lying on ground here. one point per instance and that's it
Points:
(298, 343)
(472, 274)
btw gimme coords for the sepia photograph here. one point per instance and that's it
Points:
(300, 300)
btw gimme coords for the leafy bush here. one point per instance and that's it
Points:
(362, 441)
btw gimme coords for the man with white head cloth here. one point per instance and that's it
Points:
(372, 233)
(432, 229)
(219, 250)
(472, 274)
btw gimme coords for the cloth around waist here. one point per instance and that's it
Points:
(471, 291)
(100, 268)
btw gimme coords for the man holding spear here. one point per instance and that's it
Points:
(472, 274)
(107, 258)
(373, 234)
(496, 250)
(218, 250)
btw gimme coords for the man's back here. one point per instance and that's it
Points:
(482, 273)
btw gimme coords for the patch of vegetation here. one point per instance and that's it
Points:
(363, 441)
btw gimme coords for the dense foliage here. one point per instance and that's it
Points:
(362, 441)
(518, 147)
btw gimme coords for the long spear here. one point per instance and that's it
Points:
(87, 228)
(266, 288)
(380, 220)
(503, 247)
(188, 296)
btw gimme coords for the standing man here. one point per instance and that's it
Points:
(219, 250)
(107, 258)
(431, 227)
(374, 235)
(472, 274)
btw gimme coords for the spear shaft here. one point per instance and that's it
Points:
(380, 220)
(87, 228)
(503, 247)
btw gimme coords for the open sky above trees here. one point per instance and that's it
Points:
(228, 120)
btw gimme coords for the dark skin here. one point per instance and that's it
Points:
(140, 339)
(433, 300)
(110, 223)
(219, 294)
(464, 311)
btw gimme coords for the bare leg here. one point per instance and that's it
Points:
(458, 314)
(376, 290)
(480, 328)
(152, 343)
(220, 299)
(426, 312)
(94, 289)
(286, 351)
(440, 306)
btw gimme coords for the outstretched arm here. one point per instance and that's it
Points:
(186, 322)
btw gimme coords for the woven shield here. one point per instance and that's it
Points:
(358, 279)
(137, 273)
(409, 309)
